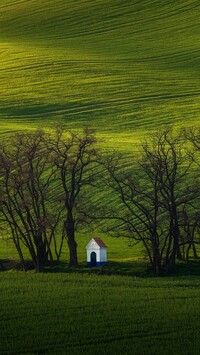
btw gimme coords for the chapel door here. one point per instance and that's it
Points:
(93, 257)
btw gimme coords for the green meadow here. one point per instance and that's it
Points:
(120, 67)
(86, 314)
(124, 68)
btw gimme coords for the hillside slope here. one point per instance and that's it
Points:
(116, 65)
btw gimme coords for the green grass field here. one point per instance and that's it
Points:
(123, 68)
(87, 314)
(120, 67)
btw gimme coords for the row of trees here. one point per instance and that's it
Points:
(48, 184)
(160, 200)
(41, 181)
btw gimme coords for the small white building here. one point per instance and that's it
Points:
(96, 252)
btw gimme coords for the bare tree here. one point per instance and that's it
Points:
(138, 213)
(168, 158)
(151, 197)
(191, 213)
(26, 202)
(192, 135)
(189, 231)
(74, 156)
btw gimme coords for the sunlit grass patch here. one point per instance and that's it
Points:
(111, 67)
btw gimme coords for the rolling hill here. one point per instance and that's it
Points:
(118, 66)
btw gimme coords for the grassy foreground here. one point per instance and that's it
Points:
(87, 314)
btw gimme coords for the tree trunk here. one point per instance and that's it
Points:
(188, 252)
(19, 250)
(156, 261)
(39, 261)
(156, 267)
(175, 235)
(194, 251)
(181, 254)
(73, 259)
(42, 255)
(39, 267)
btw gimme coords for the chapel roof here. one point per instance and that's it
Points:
(100, 242)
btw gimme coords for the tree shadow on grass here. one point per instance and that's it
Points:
(127, 268)
(124, 268)
(12, 264)
(7, 264)
(191, 268)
